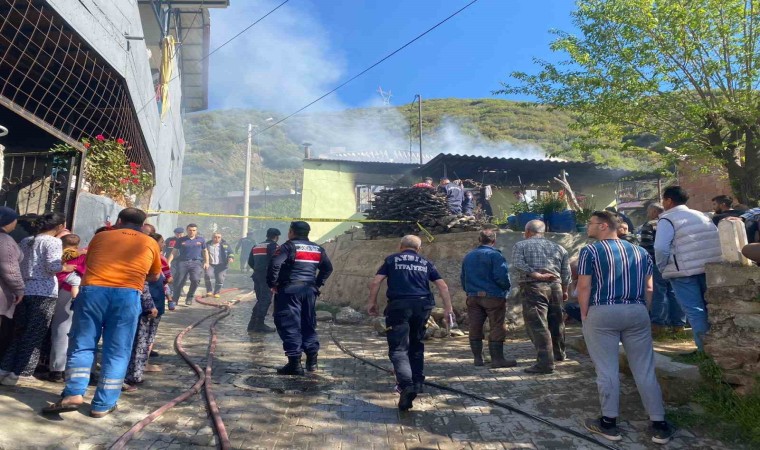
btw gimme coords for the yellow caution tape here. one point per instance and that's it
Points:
(281, 219)
(429, 236)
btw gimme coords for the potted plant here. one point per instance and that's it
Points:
(109, 172)
(558, 217)
(524, 212)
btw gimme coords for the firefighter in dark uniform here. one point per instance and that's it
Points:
(410, 302)
(295, 275)
(258, 260)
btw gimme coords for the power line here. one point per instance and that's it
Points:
(370, 67)
(221, 46)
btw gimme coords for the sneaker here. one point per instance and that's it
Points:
(10, 380)
(209, 295)
(172, 306)
(663, 435)
(188, 302)
(609, 433)
(217, 296)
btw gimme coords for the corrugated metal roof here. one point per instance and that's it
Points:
(517, 171)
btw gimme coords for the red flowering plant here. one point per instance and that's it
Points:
(108, 171)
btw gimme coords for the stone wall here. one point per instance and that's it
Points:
(356, 260)
(733, 302)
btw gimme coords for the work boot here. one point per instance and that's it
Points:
(496, 349)
(311, 362)
(406, 398)
(260, 327)
(293, 367)
(477, 351)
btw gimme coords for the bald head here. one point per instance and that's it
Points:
(410, 242)
(535, 227)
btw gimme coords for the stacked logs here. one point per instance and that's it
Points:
(414, 205)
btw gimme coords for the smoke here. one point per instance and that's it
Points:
(288, 60)
(451, 139)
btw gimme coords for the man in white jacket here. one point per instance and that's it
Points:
(686, 240)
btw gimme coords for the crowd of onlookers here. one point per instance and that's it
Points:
(58, 301)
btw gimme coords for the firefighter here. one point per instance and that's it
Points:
(295, 275)
(454, 194)
(258, 260)
(410, 303)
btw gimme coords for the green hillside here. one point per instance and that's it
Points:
(216, 140)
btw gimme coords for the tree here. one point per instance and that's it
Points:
(683, 70)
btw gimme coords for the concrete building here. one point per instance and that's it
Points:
(73, 69)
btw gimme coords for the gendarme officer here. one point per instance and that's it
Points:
(259, 259)
(297, 271)
(410, 302)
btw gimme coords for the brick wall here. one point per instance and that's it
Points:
(702, 187)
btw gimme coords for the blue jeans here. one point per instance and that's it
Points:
(690, 293)
(112, 313)
(666, 311)
(407, 320)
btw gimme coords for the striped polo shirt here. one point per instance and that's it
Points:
(618, 270)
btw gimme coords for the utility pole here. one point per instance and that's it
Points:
(247, 188)
(419, 117)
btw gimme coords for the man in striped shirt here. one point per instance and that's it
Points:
(614, 290)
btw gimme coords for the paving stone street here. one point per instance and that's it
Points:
(347, 405)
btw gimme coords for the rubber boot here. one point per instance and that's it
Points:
(477, 351)
(497, 356)
(293, 367)
(311, 362)
(260, 327)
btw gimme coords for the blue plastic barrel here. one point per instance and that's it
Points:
(524, 218)
(512, 222)
(561, 222)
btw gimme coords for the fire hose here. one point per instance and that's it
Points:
(204, 380)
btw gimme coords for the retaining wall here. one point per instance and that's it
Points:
(733, 302)
(355, 261)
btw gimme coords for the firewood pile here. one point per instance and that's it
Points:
(414, 205)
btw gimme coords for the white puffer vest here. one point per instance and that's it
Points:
(696, 242)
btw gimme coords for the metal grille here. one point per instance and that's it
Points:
(40, 182)
(49, 75)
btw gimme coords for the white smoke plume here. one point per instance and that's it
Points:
(288, 60)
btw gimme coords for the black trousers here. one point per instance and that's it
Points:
(263, 300)
(295, 317)
(407, 320)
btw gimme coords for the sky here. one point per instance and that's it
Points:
(308, 47)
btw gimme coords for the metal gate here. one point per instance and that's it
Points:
(40, 182)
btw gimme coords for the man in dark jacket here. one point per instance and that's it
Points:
(258, 260)
(219, 259)
(295, 275)
(485, 280)
(468, 204)
(410, 303)
(454, 195)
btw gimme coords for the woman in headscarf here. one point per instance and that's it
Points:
(11, 282)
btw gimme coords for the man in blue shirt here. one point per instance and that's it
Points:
(614, 289)
(410, 302)
(192, 257)
(485, 280)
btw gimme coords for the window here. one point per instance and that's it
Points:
(365, 194)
